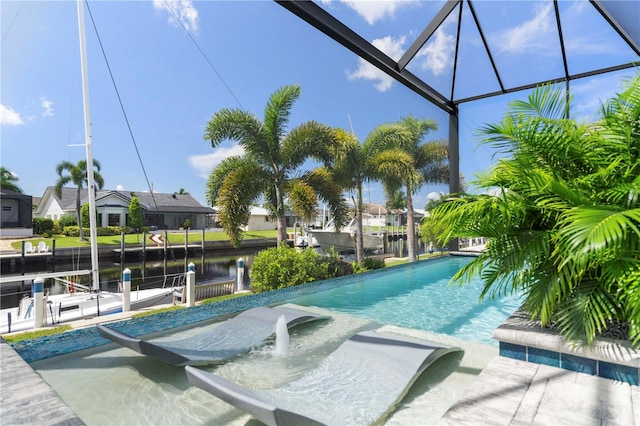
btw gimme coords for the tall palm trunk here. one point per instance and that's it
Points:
(281, 219)
(411, 228)
(79, 213)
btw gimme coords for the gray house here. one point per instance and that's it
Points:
(16, 214)
(160, 211)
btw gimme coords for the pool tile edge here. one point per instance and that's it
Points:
(519, 338)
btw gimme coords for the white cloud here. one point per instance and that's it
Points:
(438, 54)
(373, 11)
(119, 188)
(9, 117)
(533, 34)
(435, 196)
(183, 9)
(47, 106)
(203, 164)
(389, 46)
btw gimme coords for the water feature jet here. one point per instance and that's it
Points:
(282, 336)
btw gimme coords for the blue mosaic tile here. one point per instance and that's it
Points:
(87, 338)
(579, 364)
(543, 356)
(618, 372)
(510, 350)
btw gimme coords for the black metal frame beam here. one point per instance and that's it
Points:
(600, 7)
(552, 81)
(427, 33)
(325, 22)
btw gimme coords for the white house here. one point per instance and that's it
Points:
(160, 211)
(260, 220)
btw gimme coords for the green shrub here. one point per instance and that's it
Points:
(103, 231)
(73, 231)
(373, 263)
(282, 267)
(42, 225)
(337, 267)
(67, 220)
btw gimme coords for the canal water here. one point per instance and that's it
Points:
(210, 265)
(217, 265)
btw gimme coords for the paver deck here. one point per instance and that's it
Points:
(26, 399)
(512, 392)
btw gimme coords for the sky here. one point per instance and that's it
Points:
(177, 62)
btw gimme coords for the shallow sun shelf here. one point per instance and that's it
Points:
(235, 336)
(360, 383)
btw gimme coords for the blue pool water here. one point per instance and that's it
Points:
(419, 296)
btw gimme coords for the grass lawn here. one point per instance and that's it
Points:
(175, 238)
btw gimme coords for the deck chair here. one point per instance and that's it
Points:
(28, 247)
(43, 247)
(358, 384)
(235, 336)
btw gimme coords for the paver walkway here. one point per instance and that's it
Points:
(26, 399)
(512, 392)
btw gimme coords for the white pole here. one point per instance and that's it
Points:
(240, 275)
(126, 291)
(191, 285)
(38, 301)
(87, 135)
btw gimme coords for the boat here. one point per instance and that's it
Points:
(345, 239)
(79, 301)
(302, 241)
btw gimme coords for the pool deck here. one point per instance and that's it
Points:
(26, 399)
(506, 392)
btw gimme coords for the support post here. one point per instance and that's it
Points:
(240, 274)
(126, 290)
(454, 163)
(38, 301)
(191, 285)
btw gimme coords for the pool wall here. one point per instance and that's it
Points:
(86, 338)
(520, 338)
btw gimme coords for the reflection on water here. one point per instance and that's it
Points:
(210, 266)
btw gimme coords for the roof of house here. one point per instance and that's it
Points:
(151, 202)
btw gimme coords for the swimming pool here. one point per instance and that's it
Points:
(109, 385)
(419, 296)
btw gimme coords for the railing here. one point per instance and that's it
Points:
(206, 291)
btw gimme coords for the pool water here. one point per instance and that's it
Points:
(419, 296)
(112, 385)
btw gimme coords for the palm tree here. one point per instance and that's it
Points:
(396, 200)
(350, 170)
(398, 156)
(269, 165)
(181, 191)
(565, 230)
(8, 180)
(78, 176)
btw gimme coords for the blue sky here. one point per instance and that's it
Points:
(169, 89)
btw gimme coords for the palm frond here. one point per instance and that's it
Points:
(278, 111)
(330, 192)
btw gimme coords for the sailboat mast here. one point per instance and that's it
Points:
(87, 135)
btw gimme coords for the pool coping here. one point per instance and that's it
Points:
(521, 338)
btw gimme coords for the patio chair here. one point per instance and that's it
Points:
(360, 383)
(29, 248)
(43, 247)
